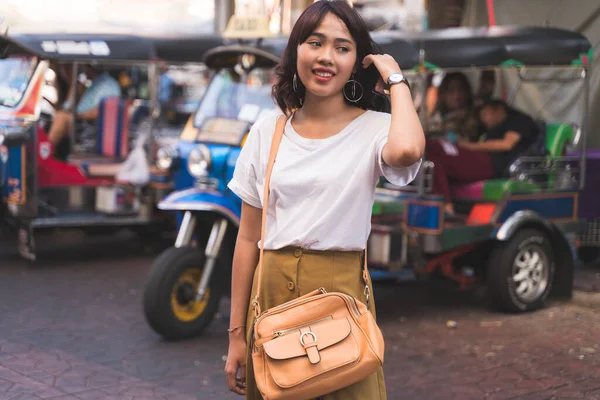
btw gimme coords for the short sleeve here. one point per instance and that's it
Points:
(397, 176)
(105, 86)
(244, 182)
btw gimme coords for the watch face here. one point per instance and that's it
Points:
(395, 78)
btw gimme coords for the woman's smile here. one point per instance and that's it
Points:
(323, 74)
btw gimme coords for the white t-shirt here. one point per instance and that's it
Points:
(322, 190)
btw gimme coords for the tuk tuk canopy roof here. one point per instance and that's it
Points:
(267, 53)
(113, 46)
(499, 46)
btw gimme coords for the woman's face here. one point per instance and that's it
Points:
(456, 96)
(327, 58)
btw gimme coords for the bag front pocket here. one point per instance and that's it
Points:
(310, 351)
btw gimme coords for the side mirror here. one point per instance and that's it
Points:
(14, 136)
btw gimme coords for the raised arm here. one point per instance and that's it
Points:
(406, 140)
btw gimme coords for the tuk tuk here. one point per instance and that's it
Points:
(86, 190)
(186, 282)
(515, 235)
(410, 238)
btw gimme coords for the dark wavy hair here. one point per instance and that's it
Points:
(283, 91)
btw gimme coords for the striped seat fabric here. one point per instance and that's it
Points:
(113, 128)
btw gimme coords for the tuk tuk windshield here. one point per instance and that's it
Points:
(230, 96)
(15, 73)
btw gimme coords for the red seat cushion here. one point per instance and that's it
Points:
(472, 190)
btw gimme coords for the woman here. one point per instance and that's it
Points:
(454, 108)
(335, 148)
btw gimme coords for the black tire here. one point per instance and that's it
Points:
(166, 279)
(588, 254)
(502, 289)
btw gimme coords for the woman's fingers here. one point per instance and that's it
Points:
(236, 384)
(384, 63)
(235, 367)
(230, 373)
(243, 374)
(368, 60)
(241, 381)
(232, 380)
(374, 58)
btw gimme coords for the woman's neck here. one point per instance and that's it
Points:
(323, 108)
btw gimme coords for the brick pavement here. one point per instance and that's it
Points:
(587, 278)
(72, 328)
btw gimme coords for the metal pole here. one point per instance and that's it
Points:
(73, 101)
(213, 248)
(224, 9)
(154, 72)
(286, 15)
(281, 15)
(491, 13)
(186, 230)
(584, 126)
(423, 115)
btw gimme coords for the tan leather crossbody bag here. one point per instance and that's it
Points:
(316, 344)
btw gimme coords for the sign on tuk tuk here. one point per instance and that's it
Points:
(247, 27)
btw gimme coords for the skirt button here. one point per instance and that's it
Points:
(297, 253)
(291, 285)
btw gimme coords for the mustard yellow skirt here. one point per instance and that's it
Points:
(292, 272)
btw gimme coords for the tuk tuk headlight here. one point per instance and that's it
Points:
(199, 161)
(164, 158)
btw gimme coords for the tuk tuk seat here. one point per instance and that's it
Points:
(113, 127)
(558, 134)
(112, 140)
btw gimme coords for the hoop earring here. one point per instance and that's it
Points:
(295, 83)
(354, 98)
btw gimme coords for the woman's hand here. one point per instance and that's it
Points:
(385, 64)
(236, 361)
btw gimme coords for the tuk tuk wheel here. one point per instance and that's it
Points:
(170, 304)
(520, 272)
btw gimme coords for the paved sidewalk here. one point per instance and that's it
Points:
(587, 278)
(72, 328)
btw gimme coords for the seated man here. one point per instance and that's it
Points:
(103, 85)
(509, 132)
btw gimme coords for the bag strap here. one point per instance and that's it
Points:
(277, 136)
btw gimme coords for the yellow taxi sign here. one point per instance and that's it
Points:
(240, 27)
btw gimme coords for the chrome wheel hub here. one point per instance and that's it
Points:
(530, 273)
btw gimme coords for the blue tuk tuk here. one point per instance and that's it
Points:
(186, 282)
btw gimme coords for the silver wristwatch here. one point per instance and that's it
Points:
(396, 78)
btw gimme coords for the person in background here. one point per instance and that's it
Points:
(509, 132)
(487, 85)
(102, 85)
(454, 111)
